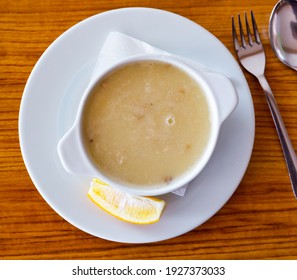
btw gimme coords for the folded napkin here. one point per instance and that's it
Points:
(119, 46)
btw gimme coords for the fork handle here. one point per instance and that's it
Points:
(288, 150)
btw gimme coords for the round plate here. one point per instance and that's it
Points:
(51, 98)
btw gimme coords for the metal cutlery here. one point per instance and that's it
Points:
(250, 53)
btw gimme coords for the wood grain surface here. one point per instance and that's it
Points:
(258, 222)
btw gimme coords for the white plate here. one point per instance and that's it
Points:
(51, 98)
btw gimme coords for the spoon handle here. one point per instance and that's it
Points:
(288, 150)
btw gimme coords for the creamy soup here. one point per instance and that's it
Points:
(146, 123)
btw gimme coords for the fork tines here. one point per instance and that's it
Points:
(248, 31)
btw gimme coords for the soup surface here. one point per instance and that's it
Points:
(146, 123)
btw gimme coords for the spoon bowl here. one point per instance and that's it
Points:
(283, 32)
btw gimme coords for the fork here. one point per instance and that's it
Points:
(251, 55)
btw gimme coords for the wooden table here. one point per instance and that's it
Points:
(258, 222)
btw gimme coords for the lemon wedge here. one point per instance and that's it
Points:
(129, 208)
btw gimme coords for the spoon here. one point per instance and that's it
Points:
(283, 32)
(283, 40)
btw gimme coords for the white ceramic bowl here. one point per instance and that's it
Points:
(222, 100)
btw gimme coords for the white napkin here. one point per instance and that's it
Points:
(119, 46)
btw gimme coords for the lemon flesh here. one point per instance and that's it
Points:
(129, 208)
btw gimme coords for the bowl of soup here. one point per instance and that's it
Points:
(148, 125)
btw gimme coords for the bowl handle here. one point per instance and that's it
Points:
(73, 155)
(224, 93)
